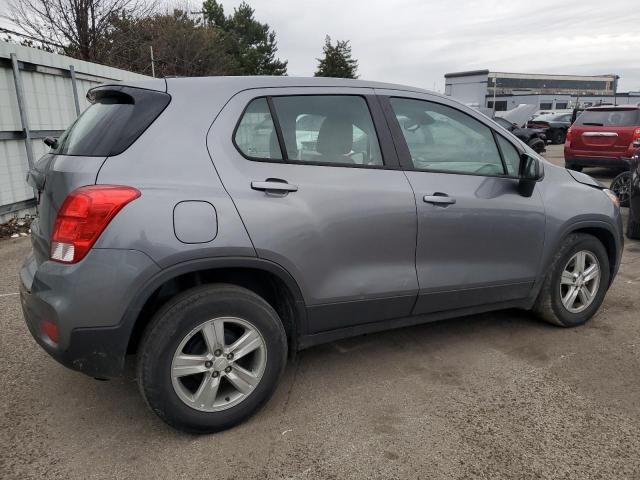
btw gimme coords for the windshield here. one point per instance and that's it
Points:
(609, 118)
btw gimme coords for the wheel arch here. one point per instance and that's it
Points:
(265, 278)
(605, 233)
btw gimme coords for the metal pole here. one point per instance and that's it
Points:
(495, 87)
(24, 120)
(153, 68)
(76, 101)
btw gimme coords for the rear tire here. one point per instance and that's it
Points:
(554, 303)
(188, 329)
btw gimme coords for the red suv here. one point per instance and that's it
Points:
(603, 137)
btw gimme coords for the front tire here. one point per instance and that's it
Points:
(537, 145)
(559, 137)
(621, 186)
(577, 282)
(211, 358)
(633, 229)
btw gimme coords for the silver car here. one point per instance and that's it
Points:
(212, 227)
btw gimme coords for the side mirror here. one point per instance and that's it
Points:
(51, 142)
(530, 172)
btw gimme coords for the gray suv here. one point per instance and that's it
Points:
(214, 226)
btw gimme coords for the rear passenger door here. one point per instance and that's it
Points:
(315, 178)
(479, 240)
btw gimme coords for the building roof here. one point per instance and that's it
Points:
(529, 75)
(466, 74)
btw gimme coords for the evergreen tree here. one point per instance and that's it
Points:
(252, 45)
(337, 61)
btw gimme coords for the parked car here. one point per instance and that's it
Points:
(210, 241)
(633, 223)
(603, 137)
(554, 126)
(535, 138)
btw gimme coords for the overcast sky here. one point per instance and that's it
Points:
(416, 42)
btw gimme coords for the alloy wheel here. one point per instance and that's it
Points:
(218, 364)
(580, 281)
(620, 186)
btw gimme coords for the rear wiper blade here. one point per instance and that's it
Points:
(594, 124)
(51, 142)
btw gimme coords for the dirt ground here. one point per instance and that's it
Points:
(492, 396)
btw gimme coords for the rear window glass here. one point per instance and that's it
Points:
(608, 118)
(112, 123)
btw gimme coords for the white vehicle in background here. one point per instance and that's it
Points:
(553, 112)
(519, 115)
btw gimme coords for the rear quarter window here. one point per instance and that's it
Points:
(114, 120)
(608, 118)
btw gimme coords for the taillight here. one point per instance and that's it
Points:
(50, 329)
(83, 216)
(569, 135)
(635, 141)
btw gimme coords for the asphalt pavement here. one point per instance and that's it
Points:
(498, 395)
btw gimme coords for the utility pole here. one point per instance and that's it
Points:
(153, 67)
(495, 87)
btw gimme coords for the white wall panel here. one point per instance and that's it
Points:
(48, 98)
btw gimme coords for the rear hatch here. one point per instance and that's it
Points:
(117, 116)
(604, 132)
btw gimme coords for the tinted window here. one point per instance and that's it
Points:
(441, 138)
(328, 129)
(608, 118)
(510, 155)
(113, 122)
(501, 105)
(256, 134)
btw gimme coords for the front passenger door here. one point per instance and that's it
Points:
(479, 241)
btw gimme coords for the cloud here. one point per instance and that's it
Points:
(416, 42)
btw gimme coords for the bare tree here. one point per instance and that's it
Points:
(80, 25)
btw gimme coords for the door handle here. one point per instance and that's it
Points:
(272, 185)
(439, 199)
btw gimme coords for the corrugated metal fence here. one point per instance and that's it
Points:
(41, 94)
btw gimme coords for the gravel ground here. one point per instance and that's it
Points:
(495, 396)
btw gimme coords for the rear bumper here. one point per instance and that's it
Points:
(619, 163)
(86, 302)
